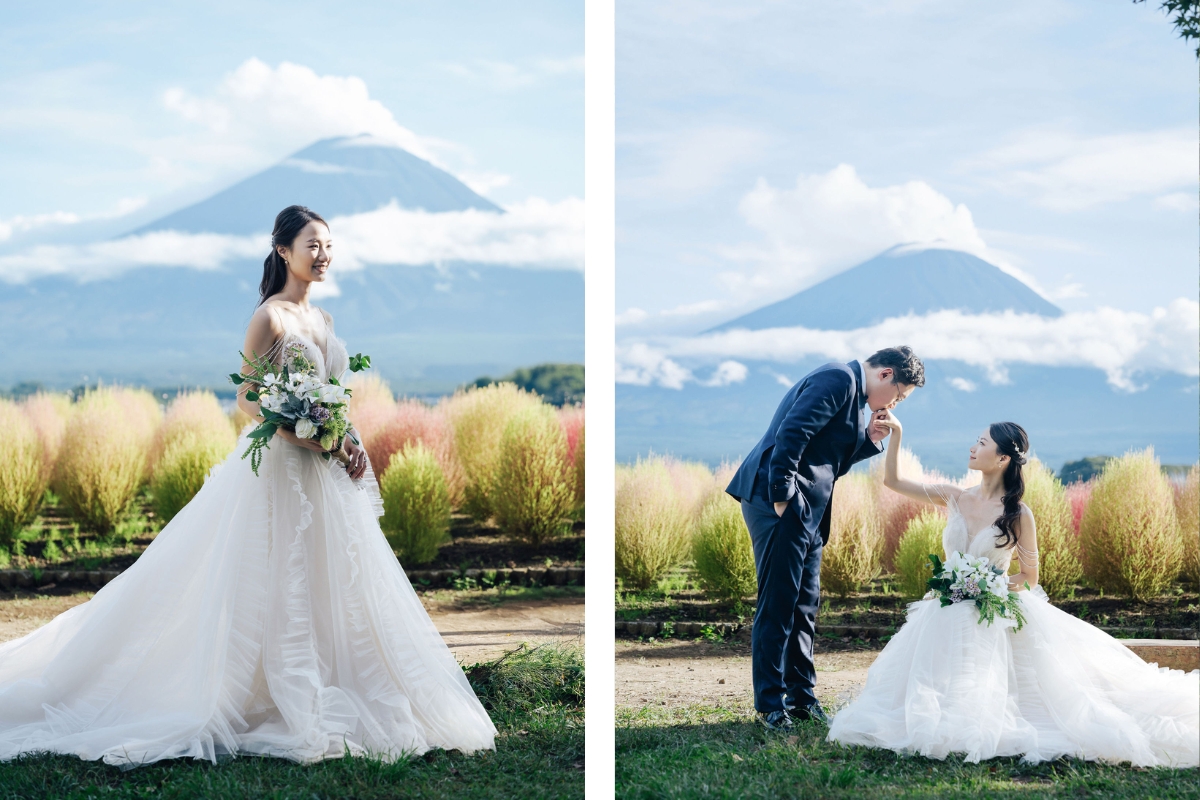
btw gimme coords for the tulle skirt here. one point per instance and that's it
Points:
(1058, 687)
(268, 617)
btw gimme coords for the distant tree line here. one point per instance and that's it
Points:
(557, 384)
(1087, 468)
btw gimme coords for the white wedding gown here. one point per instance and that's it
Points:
(1058, 687)
(270, 616)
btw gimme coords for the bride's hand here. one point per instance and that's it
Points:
(307, 444)
(886, 419)
(358, 459)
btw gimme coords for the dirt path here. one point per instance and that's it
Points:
(473, 634)
(668, 673)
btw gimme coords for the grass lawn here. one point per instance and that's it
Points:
(724, 753)
(534, 696)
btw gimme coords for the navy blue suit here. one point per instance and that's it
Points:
(818, 432)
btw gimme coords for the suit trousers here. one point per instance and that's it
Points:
(787, 559)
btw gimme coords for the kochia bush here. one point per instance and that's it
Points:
(104, 460)
(416, 503)
(851, 557)
(895, 509)
(1187, 510)
(1059, 568)
(652, 528)
(23, 474)
(413, 422)
(920, 539)
(721, 550)
(1129, 533)
(533, 489)
(479, 417)
(194, 436)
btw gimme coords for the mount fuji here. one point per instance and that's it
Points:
(428, 327)
(1070, 412)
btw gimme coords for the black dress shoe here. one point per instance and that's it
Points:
(775, 720)
(811, 712)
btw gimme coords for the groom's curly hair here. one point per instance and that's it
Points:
(906, 367)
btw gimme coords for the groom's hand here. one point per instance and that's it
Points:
(780, 508)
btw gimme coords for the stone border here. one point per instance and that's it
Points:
(647, 628)
(533, 576)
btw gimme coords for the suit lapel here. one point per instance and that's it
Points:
(860, 427)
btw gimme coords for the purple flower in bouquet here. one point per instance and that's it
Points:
(319, 414)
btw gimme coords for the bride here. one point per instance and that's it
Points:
(1058, 687)
(268, 617)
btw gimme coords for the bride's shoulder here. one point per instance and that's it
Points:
(328, 317)
(266, 319)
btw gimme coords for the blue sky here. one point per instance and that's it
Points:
(117, 112)
(762, 146)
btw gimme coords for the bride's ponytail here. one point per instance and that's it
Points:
(1012, 441)
(288, 225)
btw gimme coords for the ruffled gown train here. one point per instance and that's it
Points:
(270, 616)
(1057, 687)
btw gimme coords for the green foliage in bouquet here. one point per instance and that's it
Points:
(291, 411)
(990, 605)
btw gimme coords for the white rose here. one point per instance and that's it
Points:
(305, 428)
(332, 394)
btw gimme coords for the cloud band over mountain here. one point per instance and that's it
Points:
(1120, 343)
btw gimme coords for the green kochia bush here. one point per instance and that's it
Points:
(194, 436)
(106, 455)
(722, 552)
(652, 526)
(1059, 568)
(533, 489)
(479, 418)
(181, 471)
(1187, 509)
(23, 473)
(922, 537)
(851, 558)
(416, 505)
(1129, 531)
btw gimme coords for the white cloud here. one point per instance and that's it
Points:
(1121, 343)
(631, 316)
(642, 365)
(962, 384)
(200, 251)
(484, 182)
(1177, 201)
(259, 110)
(533, 234)
(830, 221)
(507, 75)
(728, 372)
(1065, 171)
(23, 223)
(682, 164)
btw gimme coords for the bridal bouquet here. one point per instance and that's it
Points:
(292, 397)
(963, 577)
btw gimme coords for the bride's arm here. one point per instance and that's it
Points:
(1026, 552)
(936, 493)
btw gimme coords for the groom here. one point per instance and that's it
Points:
(822, 427)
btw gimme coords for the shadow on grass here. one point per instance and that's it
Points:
(724, 753)
(534, 696)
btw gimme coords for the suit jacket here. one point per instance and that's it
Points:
(818, 432)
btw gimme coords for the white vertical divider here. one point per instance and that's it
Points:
(600, 305)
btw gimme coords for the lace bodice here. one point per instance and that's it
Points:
(334, 360)
(956, 536)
